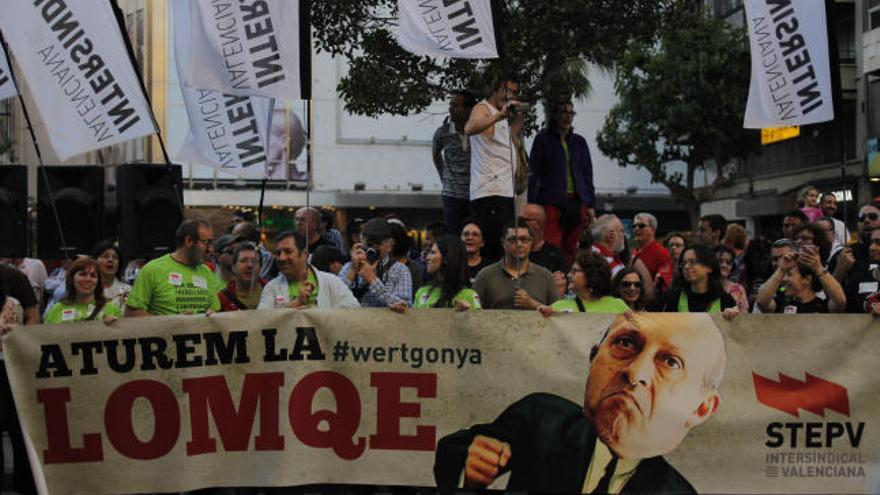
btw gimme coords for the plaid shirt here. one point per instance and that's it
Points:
(393, 286)
(456, 153)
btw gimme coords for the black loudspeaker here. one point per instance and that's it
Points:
(13, 211)
(149, 202)
(75, 193)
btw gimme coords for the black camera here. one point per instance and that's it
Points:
(372, 255)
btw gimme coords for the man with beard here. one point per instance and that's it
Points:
(178, 283)
(652, 378)
(301, 285)
(828, 205)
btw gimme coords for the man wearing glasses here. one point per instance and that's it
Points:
(514, 282)
(651, 252)
(562, 179)
(178, 283)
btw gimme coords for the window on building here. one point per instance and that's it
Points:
(873, 17)
(845, 18)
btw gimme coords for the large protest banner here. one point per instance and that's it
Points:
(248, 48)
(368, 396)
(74, 62)
(791, 80)
(7, 84)
(227, 131)
(447, 29)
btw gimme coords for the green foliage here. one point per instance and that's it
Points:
(682, 98)
(545, 44)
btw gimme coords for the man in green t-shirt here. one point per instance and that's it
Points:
(178, 283)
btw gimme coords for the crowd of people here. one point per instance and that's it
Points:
(554, 256)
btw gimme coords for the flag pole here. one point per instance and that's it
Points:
(117, 12)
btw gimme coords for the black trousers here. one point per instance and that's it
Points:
(493, 212)
(22, 479)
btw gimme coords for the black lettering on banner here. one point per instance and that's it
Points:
(72, 37)
(243, 121)
(306, 344)
(258, 27)
(4, 78)
(801, 88)
(51, 358)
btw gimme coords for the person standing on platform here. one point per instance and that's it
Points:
(491, 127)
(562, 179)
(451, 151)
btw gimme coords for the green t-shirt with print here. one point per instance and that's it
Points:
(605, 304)
(293, 289)
(166, 287)
(428, 295)
(63, 312)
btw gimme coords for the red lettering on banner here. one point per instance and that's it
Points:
(390, 410)
(234, 427)
(166, 419)
(210, 396)
(342, 424)
(54, 402)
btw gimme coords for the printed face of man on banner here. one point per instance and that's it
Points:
(653, 377)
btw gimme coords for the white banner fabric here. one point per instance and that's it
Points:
(791, 82)
(227, 131)
(7, 85)
(244, 48)
(74, 62)
(447, 29)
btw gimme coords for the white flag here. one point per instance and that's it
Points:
(447, 28)
(75, 64)
(244, 48)
(7, 85)
(229, 132)
(791, 82)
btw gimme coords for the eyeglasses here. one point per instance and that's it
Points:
(690, 262)
(521, 239)
(635, 285)
(723, 261)
(869, 216)
(468, 233)
(640, 225)
(206, 241)
(675, 245)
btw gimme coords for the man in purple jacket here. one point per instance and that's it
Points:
(562, 179)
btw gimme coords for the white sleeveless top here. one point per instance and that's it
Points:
(491, 170)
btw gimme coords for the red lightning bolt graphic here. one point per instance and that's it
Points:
(789, 394)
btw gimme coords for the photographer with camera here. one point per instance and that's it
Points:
(376, 279)
(492, 126)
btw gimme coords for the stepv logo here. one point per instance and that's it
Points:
(814, 395)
